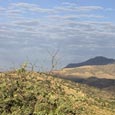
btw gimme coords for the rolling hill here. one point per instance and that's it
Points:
(98, 72)
(32, 93)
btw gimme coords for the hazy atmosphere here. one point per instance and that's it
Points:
(80, 29)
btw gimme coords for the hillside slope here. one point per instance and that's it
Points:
(101, 76)
(100, 71)
(31, 93)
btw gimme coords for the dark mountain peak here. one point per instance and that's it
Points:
(99, 60)
(100, 57)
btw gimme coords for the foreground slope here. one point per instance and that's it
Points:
(30, 93)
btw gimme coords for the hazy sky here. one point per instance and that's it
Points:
(80, 29)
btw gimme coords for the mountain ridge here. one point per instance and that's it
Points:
(98, 72)
(102, 76)
(98, 60)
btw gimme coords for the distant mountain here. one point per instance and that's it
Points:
(100, 76)
(98, 72)
(99, 60)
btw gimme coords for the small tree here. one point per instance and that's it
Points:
(54, 60)
(22, 69)
(32, 66)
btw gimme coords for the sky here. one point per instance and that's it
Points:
(33, 30)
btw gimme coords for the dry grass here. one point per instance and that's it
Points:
(32, 93)
(101, 71)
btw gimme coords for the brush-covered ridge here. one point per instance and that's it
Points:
(32, 93)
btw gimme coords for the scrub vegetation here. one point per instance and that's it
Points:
(31, 93)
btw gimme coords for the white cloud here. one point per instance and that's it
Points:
(31, 7)
(27, 28)
(2, 9)
(75, 8)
